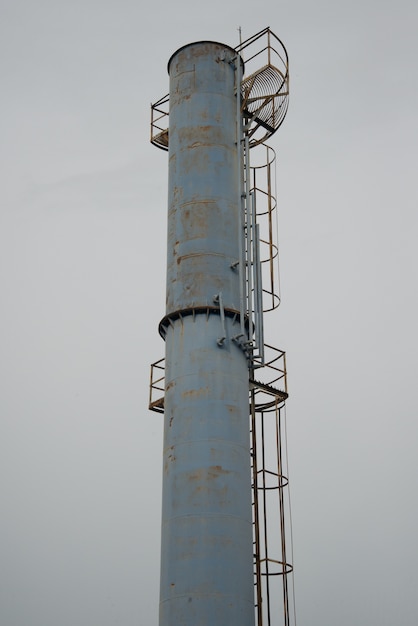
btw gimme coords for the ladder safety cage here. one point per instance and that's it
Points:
(273, 569)
(261, 108)
(260, 252)
(263, 190)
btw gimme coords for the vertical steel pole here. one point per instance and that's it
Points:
(206, 551)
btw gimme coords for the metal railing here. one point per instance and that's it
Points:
(264, 91)
(159, 123)
(157, 386)
(265, 85)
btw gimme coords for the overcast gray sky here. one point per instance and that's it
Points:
(82, 278)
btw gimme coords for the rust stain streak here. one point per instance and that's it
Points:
(198, 254)
(209, 473)
(195, 393)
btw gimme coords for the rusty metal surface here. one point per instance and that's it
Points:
(202, 243)
(206, 546)
(207, 524)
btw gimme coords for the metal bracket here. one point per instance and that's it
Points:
(217, 298)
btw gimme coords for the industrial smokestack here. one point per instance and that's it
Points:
(212, 331)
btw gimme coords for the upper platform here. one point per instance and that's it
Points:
(264, 89)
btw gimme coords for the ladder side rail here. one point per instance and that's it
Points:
(259, 296)
(256, 511)
(282, 519)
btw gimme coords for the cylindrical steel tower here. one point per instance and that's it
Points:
(213, 552)
(206, 551)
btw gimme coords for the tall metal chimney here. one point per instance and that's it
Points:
(213, 331)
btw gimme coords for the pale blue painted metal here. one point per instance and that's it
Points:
(203, 178)
(206, 549)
